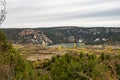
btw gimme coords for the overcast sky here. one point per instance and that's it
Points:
(45, 13)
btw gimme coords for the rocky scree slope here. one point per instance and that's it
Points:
(27, 36)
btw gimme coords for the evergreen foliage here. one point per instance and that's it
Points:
(70, 66)
(12, 65)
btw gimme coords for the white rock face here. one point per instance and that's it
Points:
(98, 39)
(81, 40)
(34, 37)
(104, 39)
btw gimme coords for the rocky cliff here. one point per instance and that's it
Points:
(27, 36)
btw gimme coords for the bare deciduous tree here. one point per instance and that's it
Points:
(2, 11)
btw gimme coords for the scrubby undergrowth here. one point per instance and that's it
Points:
(12, 65)
(70, 66)
(83, 67)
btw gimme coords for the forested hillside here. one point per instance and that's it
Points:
(98, 35)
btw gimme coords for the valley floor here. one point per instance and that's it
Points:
(77, 63)
(38, 52)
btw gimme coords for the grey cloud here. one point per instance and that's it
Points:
(110, 13)
(76, 15)
(106, 15)
(39, 11)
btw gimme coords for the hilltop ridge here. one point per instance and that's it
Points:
(87, 35)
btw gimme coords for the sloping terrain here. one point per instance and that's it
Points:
(28, 36)
(95, 35)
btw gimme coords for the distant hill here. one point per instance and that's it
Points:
(95, 35)
(26, 36)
